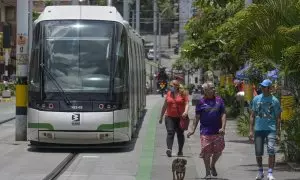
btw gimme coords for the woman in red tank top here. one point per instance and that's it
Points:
(176, 105)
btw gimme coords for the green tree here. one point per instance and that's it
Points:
(270, 30)
(36, 15)
(203, 47)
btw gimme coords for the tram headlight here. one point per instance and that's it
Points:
(50, 106)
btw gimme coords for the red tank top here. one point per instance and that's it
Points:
(171, 106)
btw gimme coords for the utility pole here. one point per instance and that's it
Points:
(109, 3)
(137, 11)
(155, 28)
(126, 10)
(22, 67)
(30, 27)
(155, 35)
(159, 36)
(132, 19)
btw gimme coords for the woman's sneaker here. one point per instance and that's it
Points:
(207, 176)
(270, 177)
(213, 171)
(169, 153)
(180, 154)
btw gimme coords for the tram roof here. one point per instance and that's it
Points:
(107, 13)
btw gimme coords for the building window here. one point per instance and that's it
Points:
(10, 13)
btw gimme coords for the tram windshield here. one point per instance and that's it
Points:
(78, 54)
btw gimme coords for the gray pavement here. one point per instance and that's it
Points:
(144, 160)
(17, 162)
(116, 164)
(7, 109)
(236, 163)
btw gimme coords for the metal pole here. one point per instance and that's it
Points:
(248, 3)
(155, 28)
(159, 35)
(137, 11)
(30, 26)
(109, 3)
(126, 10)
(151, 79)
(6, 57)
(132, 20)
(22, 67)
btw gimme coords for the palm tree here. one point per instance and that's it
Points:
(270, 28)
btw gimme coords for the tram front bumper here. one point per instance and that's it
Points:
(63, 137)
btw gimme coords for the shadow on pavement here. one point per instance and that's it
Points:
(278, 167)
(214, 178)
(246, 141)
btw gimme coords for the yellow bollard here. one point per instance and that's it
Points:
(229, 79)
(222, 80)
(287, 103)
(248, 89)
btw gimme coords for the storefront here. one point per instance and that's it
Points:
(8, 27)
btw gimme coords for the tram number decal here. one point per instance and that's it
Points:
(75, 119)
(77, 107)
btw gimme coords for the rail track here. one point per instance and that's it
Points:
(61, 167)
(7, 120)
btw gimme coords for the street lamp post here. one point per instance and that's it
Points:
(126, 10)
(155, 28)
(137, 19)
(159, 34)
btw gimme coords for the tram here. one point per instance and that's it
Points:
(86, 77)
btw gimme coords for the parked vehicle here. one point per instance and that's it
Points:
(150, 54)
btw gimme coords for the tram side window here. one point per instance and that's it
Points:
(122, 64)
(34, 73)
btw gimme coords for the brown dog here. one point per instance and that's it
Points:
(178, 168)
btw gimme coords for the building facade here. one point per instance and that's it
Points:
(186, 11)
(8, 28)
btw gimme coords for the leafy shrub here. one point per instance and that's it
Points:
(243, 123)
(228, 95)
(291, 140)
(11, 87)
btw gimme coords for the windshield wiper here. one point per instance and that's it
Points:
(61, 91)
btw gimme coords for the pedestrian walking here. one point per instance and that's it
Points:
(265, 125)
(176, 105)
(210, 111)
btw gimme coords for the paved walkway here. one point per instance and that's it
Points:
(7, 109)
(236, 163)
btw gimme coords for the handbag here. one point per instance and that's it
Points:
(184, 121)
